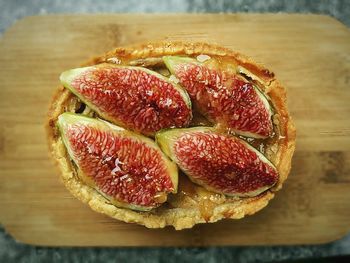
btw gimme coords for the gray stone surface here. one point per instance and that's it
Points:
(11, 251)
(12, 10)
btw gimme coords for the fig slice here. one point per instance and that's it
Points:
(223, 96)
(219, 162)
(128, 169)
(132, 97)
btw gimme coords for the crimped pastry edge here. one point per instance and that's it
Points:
(179, 218)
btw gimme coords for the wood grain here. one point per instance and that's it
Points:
(310, 54)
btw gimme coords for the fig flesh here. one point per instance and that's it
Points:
(223, 96)
(128, 169)
(219, 162)
(135, 98)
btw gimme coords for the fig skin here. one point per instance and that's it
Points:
(223, 96)
(135, 120)
(68, 120)
(264, 178)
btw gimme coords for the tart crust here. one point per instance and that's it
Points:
(192, 204)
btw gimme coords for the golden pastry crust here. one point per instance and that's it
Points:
(193, 204)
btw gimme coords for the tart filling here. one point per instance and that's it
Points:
(216, 115)
(144, 100)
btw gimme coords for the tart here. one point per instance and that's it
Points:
(171, 133)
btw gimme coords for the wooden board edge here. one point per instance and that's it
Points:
(30, 242)
(334, 20)
(327, 18)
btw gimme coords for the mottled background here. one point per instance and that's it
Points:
(11, 251)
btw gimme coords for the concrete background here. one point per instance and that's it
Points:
(12, 10)
(11, 251)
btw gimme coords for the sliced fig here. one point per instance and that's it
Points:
(128, 169)
(223, 96)
(219, 162)
(132, 97)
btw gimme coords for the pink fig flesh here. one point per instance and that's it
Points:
(133, 97)
(224, 97)
(128, 169)
(219, 162)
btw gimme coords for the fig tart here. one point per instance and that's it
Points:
(171, 133)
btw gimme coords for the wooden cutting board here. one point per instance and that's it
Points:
(309, 53)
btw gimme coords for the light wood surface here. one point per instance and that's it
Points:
(310, 55)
